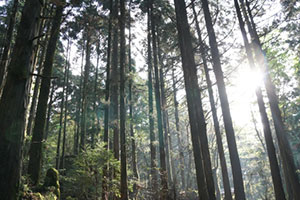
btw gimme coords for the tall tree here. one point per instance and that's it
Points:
(230, 134)
(124, 187)
(275, 171)
(196, 117)
(14, 100)
(153, 165)
(226, 183)
(162, 154)
(35, 153)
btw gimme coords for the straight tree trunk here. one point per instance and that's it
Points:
(106, 106)
(124, 187)
(226, 183)
(114, 90)
(66, 104)
(289, 167)
(35, 152)
(178, 132)
(153, 177)
(233, 152)
(15, 94)
(196, 117)
(84, 89)
(275, 171)
(162, 154)
(49, 111)
(7, 44)
(133, 144)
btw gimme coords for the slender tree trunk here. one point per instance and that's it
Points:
(178, 132)
(233, 152)
(106, 108)
(226, 183)
(275, 171)
(15, 94)
(163, 167)
(124, 187)
(114, 105)
(153, 177)
(84, 89)
(131, 118)
(66, 104)
(7, 44)
(196, 117)
(79, 108)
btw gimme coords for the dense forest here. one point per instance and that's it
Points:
(149, 99)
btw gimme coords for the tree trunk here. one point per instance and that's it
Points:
(163, 168)
(66, 103)
(178, 133)
(7, 44)
(153, 177)
(233, 152)
(124, 187)
(131, 118)
(226, 183)
(275, 171)
(84, 89)
(106, 108)
(196, 117)
(49, 111)
(15, 94)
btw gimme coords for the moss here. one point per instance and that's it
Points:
(52, 180)
(37, 196)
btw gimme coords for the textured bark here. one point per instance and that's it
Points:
(196, 117)
(162, 154)
(178, 133)
(275, 171)
(286, 154)
(230, 134)
(14, 100)
(35, 153)
(7, 44)
(153, 177)
(226, 183)
(124, 187)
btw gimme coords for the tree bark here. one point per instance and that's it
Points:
(230, 134)
(35, 153)
(14, 100)
(196, 117)
(226, 183)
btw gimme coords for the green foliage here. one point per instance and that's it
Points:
(83, 178)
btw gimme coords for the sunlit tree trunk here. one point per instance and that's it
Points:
(233, 152)
(14, 100)
(226, 183)
(196, 117)
(275, 171)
